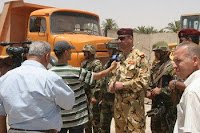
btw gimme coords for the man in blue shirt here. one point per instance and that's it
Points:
(31, 96)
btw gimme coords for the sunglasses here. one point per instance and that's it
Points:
(122, 37)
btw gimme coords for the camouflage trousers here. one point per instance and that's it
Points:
(94, 119)
(159, 123)
(128, 119)
(106, 115)
(88, 125)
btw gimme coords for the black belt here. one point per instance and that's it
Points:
(44, 131)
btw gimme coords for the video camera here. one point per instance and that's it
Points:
(16, 53)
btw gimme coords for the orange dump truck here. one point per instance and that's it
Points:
(24, 21)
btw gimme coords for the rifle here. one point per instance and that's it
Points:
(161, 111)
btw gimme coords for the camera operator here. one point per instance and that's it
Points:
(16, 53)
(5, 65)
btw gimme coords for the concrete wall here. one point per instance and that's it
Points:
(144, 42)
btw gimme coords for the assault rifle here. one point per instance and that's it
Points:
(161, 111)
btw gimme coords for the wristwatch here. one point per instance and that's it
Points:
(174, 83)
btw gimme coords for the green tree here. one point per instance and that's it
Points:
(145, 30)
(173, 26)
(109, 24)
(162, 31)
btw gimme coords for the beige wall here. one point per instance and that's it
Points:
(144, 42)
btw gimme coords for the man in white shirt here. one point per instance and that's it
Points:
(187, 64)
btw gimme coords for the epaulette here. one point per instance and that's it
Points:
(140, 54)
(96, 62)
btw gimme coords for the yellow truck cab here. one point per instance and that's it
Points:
(35, 22)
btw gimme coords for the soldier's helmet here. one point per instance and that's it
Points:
(161, 45)
(113, 44)
(90, 48)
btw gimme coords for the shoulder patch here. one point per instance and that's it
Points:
(141, 54)
(96, 62)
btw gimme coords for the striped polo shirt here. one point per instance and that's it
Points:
(75, 78)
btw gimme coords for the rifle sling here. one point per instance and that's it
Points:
(159, 76)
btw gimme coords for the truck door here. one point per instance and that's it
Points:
(37, 29)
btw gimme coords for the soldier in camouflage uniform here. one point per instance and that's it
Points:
(92, 91)
(107, 100)
(161, 74)
(128, 82)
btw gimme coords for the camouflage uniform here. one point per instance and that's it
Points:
(107, 105)
(92, 91)
(129, 112)
(158, 122)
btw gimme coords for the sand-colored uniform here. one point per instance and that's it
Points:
(133, 72)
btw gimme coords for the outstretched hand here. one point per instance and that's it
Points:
(113, 65)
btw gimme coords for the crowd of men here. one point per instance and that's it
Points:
(78, 100)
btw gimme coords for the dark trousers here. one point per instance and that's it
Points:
(77, 129)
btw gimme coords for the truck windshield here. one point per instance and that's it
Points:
(73, 22)
(192, 21)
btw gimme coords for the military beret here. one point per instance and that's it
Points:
(125, 32)
(188, 32)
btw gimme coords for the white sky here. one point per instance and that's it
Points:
(129, 13)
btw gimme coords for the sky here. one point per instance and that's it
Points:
(128, 13)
